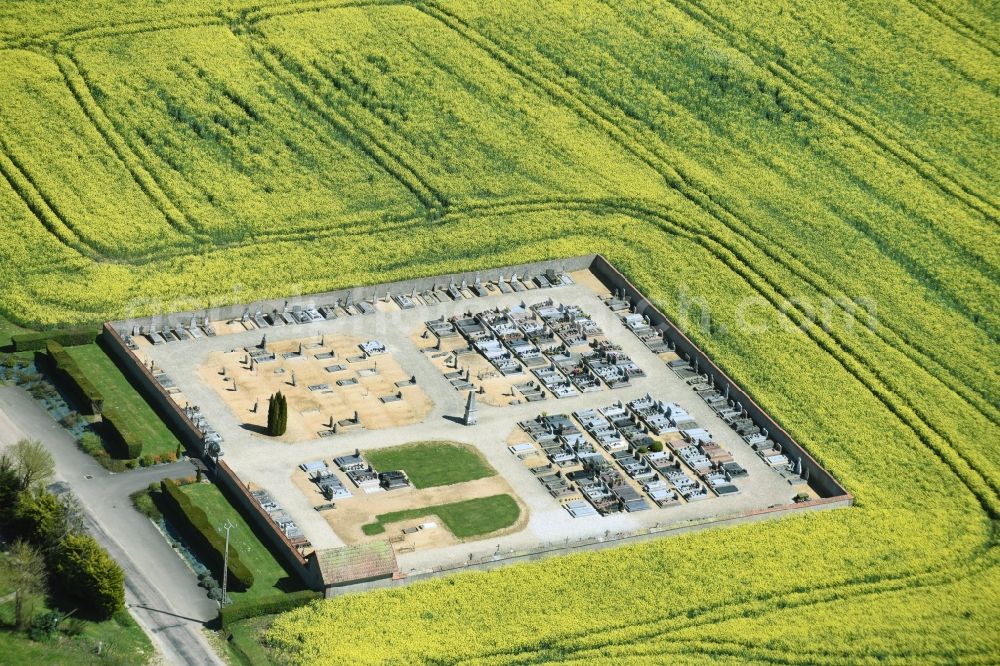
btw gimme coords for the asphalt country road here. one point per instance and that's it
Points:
(160, 590)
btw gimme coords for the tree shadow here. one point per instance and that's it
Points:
(254, 428)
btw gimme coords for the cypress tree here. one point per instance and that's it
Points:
(272, 414)
(281, 423)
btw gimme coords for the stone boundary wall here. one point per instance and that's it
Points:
(264, 524)
(555, 549)
(169, 410)
(354, 294)
(819, 479)
(189, 434)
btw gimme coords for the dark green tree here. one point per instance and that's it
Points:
(41, 518)
(277, 415)
(88, 575)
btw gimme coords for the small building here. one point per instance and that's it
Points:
(351, 565)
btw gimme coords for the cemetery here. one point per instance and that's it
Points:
(332, 383)
(409, 405)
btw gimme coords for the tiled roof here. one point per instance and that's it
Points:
(363, 561)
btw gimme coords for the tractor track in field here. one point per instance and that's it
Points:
(142, 173)
(936, 370)
(44, 210)
(891, 145)
(710, 648)
(664, 625)
(275, 61)
(877, 384)
(956, 24)
(592, 114)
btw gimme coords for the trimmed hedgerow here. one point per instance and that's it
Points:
(65, 336)
(68, 370)
(247, 608)
(193, 522)
(116, 423)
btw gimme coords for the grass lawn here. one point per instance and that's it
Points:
(467, 518)
(267, 571)
(8, 329)
(157, 440)
(430, 464)
(122, 640)
(245, 646)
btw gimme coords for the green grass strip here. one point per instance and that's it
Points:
(467, 518)
(434, 463)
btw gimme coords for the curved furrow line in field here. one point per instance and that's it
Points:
(141, 172)
(253, 16)
(893, 145)
(54, 222)
(928, 358)
(190, 20)
(275, 62)
(591, 114)
(106, 30)
(633, 632)
(872, 380)
(964, 252)
(710, 647)
(956, 24)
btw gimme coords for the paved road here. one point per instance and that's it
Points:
(161, 591)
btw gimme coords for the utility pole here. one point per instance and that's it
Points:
(225, 567)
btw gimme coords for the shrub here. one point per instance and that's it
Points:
(247, 608)
(129, 444)
(72, 626)
(113, 464)
(193, 522)
(71, 420)
(40, 517)
(146, 461)
(89, 575)
(91, 444)
(656, 447)
(66, 336)
(145, 505)
(67, 369)
(43, 626)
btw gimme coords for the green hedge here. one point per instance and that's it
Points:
(69, 369)
(193, 522)
(248, 608)
(65, 336)
(117, 426)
